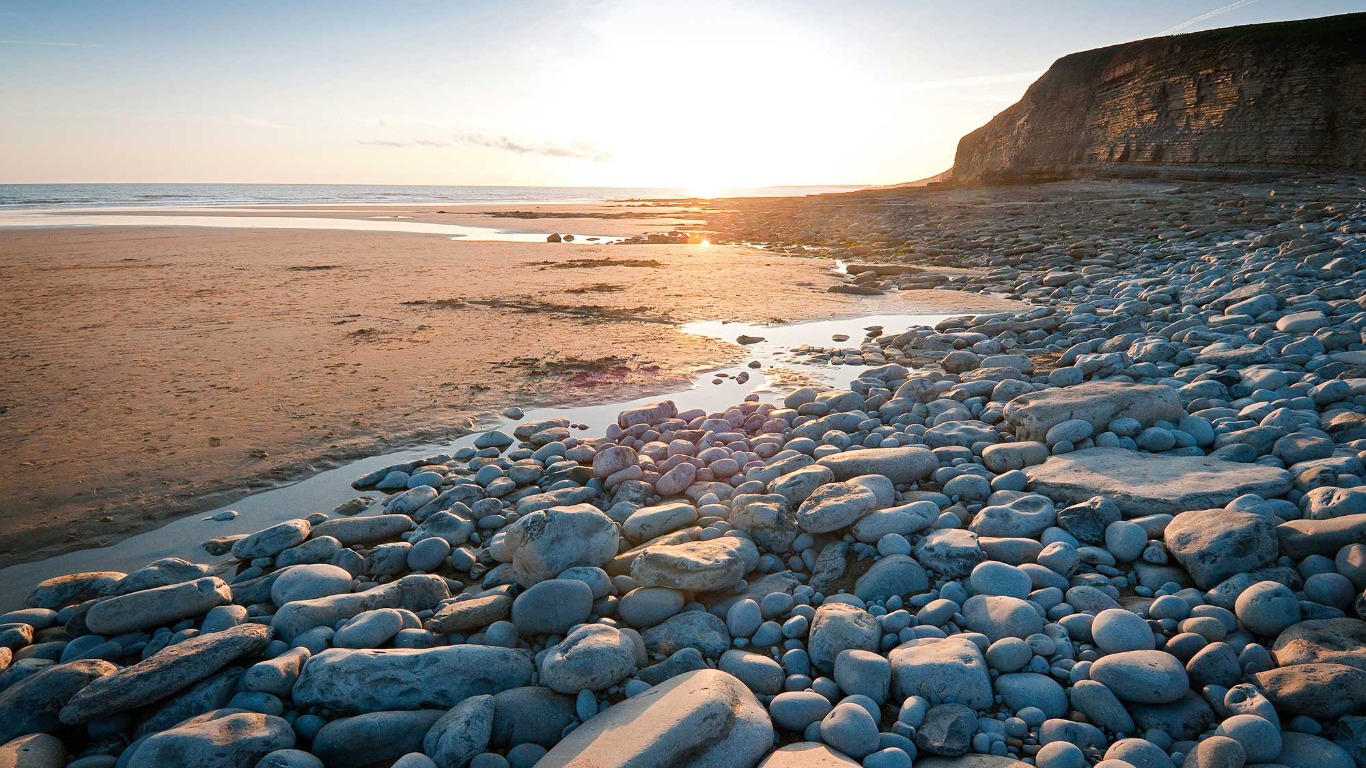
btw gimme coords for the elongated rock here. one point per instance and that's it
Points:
(167, 672)
(157, 607)
(907, 464)
(701, 719)
(345, 680)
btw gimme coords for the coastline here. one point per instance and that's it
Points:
(175, 421)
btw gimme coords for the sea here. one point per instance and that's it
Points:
(48, 196)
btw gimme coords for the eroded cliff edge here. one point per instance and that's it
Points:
(1289, 95)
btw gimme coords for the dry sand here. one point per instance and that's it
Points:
(154, 371)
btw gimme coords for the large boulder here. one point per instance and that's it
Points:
(694, 566)
(1097, 403)
(346, 680)
(1321, 691)
(1214, 544)
(1145, 484)
(700, 719)
(944, 671)
(544, 544)
(1335, 641)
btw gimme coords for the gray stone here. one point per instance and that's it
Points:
(32, 704)
(694, 566)
(465, 616)
(308, 582)
(839, 627)
(593, 657)
(907, 464)
(1214, 544)
(943, 671)
(374, 737)
(552, 607)
(1319, 690)
(230, 738)
(951, 553)
(157, 607)
(998, 616)
(343, 680)
(892, 575)
(835, 506)
(542, 544)
(165, 673)
(689, 629)
(807, 754)
(272, 541)
(461, 733)
(701, 719)
(1334, 641)
(72, 588)
(1144, 484)
(417, 592)
(947, 730)
(1142, 677)
(1097, 403)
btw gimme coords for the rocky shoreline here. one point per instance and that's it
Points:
(1125, 527)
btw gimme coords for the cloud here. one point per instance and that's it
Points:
(1202, 17)
(577, 150)
(54, 43)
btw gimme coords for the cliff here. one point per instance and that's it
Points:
(1290, 95)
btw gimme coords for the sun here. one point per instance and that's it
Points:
(704, 191)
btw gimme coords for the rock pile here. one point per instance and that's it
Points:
(1125, 528)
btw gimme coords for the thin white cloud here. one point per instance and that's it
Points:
(51, 43)
(577, 150)
(1205, 16)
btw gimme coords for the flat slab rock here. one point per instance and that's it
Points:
(1097, 403)
(700, 719)
(1147, 484)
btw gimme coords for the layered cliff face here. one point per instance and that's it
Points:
(1290, 95)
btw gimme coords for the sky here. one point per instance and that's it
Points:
(700, 94)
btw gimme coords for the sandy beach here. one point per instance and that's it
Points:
(151, 372)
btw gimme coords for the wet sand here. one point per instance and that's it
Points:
(150, 372)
